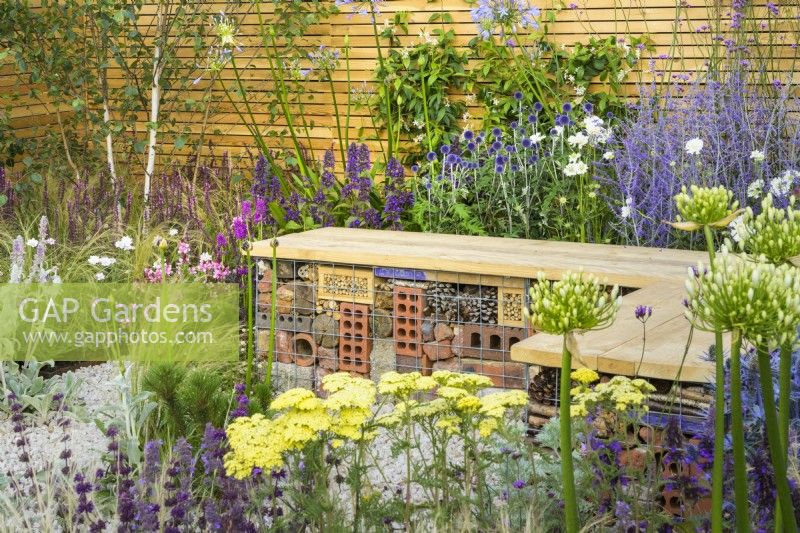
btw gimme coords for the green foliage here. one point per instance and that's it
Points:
(187, 399)
(422, 78)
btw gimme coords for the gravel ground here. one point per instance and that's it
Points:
(87, 442)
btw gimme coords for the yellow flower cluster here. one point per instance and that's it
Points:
(303, 418)
(619, 394)
(471, 383)
(584, 376)
(401, 386)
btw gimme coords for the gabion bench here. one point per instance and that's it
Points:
(370, 301)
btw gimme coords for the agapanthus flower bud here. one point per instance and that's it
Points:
(774, 233)
(705, 206)
(577, 302)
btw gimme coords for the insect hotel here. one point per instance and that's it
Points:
(371, 301)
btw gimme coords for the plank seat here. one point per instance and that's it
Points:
(618, 349)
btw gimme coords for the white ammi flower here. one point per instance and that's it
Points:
(173, 232)
(608, 156)
(757, 156)
(694, 146)
(107, 261)
(94, 260)
(125, 243)
(99, 276)
(205, 257)
(575, 167)
(33, 243)
(579, 140)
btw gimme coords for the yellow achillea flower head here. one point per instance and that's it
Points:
(246, 437)
(471, 383)
(403, 385)
(298, 398)
(620, 394)
(584, 375)
(496, 405)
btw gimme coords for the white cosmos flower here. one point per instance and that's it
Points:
(94, 260)
(125, 243)
(578, 140)
(33, 243)
(757, 156)
(99, 276)
(608, 156)
(694, 146)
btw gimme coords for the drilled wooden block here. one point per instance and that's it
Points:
(355, 343)
(511, 303)
(345, 284)
(409, 303)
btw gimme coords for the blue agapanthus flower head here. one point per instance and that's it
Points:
(500, 17)
(360, 7)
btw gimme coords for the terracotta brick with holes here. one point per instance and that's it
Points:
(355, 343)
(504, 375)
(485, 342)
(408, 305)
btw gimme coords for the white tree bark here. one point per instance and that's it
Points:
(155, 102)
(112, 169)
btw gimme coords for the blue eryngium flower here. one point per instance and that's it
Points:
(518, 96)
(497, 132)
(468, 135)
(431, 156)
(531, 118)
(538, 106)
(562, 120)
(471, 147)
(445, 149)
(526, 143)
(414, 168)
(567, 107)
(588, 107)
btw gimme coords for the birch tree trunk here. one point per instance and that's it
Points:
(155, 102)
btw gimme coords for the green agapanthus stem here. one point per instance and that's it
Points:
(776, 449)
(567, 473)
(737, 432)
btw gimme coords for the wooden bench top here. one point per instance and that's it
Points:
(618, 349)
(517, 258)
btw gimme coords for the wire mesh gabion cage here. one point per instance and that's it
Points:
(333, 317)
